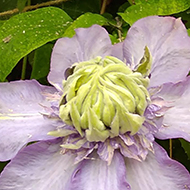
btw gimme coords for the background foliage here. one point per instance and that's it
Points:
(29, 29)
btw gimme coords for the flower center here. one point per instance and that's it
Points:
(103, 98)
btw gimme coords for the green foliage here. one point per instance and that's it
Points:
(145, 8)
(188, 32)
(41, 63)
(85, 20)
(75, 8)
(25, 32)
(186, 147)
(7, 5)
(21, 4)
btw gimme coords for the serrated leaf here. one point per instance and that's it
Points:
(154, 7)
(41, 63)
(186, 147)
(27, 31)
(84, 21)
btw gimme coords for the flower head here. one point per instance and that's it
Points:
(96, 127)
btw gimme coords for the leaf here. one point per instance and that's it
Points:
(186, 147)
(41, 63)
(145, 8)
(21, 4)
(85, 20)
(75, 8)
(188, 30)
(27, 31)
(7, 5)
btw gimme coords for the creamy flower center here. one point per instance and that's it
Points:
(103, 98)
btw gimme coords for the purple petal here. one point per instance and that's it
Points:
(21, 121)
(176, 120)
(169, 45)
(39, 166)
(87, 44)
(117, 51)
(157, 172)
(97, 175)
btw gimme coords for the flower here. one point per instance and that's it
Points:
(96, 127)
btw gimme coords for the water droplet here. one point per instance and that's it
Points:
(23, 31)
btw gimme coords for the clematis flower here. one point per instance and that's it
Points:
(95, 127)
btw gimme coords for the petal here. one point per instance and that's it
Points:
(21, 121)
(87, 44)
(169, 45)
(157, 172)
(176, 120)
(117, 51)
(97, 175)
(38, 166)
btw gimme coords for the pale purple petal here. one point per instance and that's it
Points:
(88, 43)
(169, 45)
(39, 166)
(117, 51)
(176, 121)
(21, 121)
(97, 175)
(157, 172)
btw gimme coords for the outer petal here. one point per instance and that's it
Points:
(87, 44)
(157, 172)
(169, 44)
(38, 167)
(21, 121)
(97, 175)
(117, 51)
(176, 121)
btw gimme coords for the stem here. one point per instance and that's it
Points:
(24, 68)
(119, 28)
(29, 2)
(103, 8)
(170, 147)
(31, 7)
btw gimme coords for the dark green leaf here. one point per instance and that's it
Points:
(41, 63)
(27, 31)
(21, 4)
(85, 21)
(186, 147)
(145, 8)
(75, 8)
(6, 5)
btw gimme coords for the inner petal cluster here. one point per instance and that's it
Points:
(103, 98)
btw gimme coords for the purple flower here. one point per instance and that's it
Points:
(96, 128)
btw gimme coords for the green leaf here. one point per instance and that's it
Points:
(85, 20)
(145, 8)
(27, 31)
(41, 63)
(1, 22)
(188, 30)
(113, 39)
(186, 147)
(7, 5)
(21, 4)
(75, 8)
